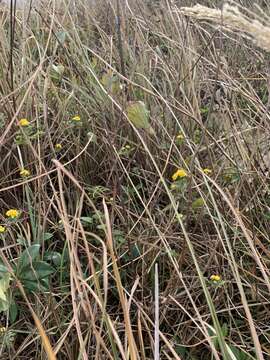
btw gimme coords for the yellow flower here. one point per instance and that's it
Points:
(207, 171)
(12, 213)
(2, 229)
(24, 122)
(76, 118)
(215, 278)
(24, 173)
(180, 173)
(58, 147)
(180, 137)
(2, 329)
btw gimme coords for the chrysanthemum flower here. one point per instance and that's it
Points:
(24, 122)
(12, 213)
(24, 173)
(180, 173)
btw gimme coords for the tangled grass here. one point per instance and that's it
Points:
(134, 181)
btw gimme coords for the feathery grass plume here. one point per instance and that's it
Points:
(234, 20)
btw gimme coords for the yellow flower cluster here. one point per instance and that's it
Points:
(180, 173)
(2, 229)
(215, 278)
(24, 122)
(24, 173)
(13, 213)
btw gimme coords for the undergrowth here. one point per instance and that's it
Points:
(134, 184)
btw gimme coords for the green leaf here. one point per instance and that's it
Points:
(87, 219)
(13, 311)
(4, 286)
(53, 256)
(111, 83)
(27, 257)
(240, 354)
(3, 269)
(38, 270)
(198, 203)
(181, 350)
(204, 110)
(59, 69)
(57, 72)
(33, 286)
(139, 116)
(61, 36)
(224, 329)
(47, 236)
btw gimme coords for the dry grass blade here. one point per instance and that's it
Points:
(157, 354)
(124, 303)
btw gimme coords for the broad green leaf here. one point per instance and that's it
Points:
(198, 203)
(139, 116)
(37, 271)
(27, 257)
(13, 311)
(4, 286)
(33, 286)
(181, 350)
(111, 83)
(53, 256)
(43, 269)
(61, 36)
